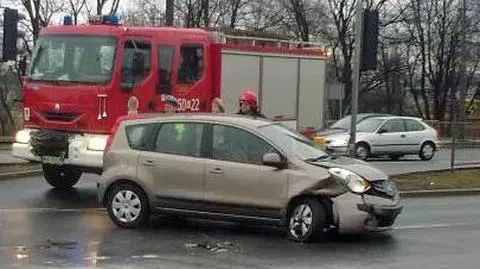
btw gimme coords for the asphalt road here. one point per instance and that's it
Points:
(469, 157)
(43, 228)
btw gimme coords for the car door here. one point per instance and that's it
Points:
(236, 182)
(415, 135)
(390, 137)
(176, 166)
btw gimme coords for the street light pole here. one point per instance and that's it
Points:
(458, 107)
(356, 77)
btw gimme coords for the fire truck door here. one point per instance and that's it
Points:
(193, 86)
(138, 78)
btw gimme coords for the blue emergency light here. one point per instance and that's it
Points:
(110, 19)
(67, 20)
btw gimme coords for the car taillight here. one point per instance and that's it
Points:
(109, 143)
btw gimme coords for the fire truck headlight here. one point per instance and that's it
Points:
(23, 137)
(97, 143)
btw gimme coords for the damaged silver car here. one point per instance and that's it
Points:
(232, 167)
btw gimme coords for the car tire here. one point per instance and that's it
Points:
(127, 206)
(362, 151)
(427, 151)
(306, 221)
(61, 177)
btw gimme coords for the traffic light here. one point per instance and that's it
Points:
(369, 40)
(10, 34)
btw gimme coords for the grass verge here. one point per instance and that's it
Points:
(459, 179)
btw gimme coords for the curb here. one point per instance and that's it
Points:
(439, 193)
(466, 166)
(20, 174)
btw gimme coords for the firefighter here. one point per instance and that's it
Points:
(248, 104)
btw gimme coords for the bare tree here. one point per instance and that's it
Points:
(40, 13)
(76, 7)
(101, 4)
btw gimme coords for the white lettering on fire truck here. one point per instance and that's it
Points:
(189, 104)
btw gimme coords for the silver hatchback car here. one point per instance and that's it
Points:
(238, 168)
(394, 136)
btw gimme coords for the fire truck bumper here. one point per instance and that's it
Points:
(80, 152)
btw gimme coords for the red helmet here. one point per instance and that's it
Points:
(250, 97)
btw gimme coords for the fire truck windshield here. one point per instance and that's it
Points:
(81, 59)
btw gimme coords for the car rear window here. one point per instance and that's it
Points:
(140, 136)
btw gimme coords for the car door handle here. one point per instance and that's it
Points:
(216, 171)
(148, 163)
(402, 136)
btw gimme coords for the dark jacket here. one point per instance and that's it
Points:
(253, 113)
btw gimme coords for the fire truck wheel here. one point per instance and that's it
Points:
(61, 177)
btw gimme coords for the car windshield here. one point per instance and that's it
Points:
(292, 143)
(344, 123)
(73, 59)
(369, 125)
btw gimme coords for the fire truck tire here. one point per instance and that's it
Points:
(61, 177)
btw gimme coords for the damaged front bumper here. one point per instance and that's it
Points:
(355, 213)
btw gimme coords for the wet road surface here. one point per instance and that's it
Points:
(44, 228)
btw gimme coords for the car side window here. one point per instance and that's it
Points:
(394, 126)
(191, 64)
(237, 145)
(140, 136)
(414, 126)
(180, 138)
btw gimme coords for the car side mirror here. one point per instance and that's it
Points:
(273, 159)
(382, 131)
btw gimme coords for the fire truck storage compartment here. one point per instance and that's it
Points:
(290, 86)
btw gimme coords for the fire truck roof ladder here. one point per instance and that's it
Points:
(280, 42)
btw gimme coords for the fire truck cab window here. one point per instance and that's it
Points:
(191, 64)
(73, 59)
(165, 64)
(135, 62)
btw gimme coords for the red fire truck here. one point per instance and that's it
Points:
(82, 78)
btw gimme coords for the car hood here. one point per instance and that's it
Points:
(358, 167)
(327, 132)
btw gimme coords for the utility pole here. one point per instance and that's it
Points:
(169, 12)
(356, 76)
(462, 69)
(458, 108)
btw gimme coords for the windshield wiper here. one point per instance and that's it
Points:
(322, 157)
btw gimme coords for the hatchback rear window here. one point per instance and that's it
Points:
(140, 136)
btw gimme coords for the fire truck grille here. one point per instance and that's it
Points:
(60, 116)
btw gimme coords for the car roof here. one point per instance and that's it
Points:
(398, 117)
(240, 120)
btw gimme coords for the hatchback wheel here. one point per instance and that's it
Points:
(427, 151)
(128, 206)
(362, 151)
(306, 220)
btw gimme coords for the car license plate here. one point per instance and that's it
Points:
(52, 160)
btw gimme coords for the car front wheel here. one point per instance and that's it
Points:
(306, 220)
(128, 206)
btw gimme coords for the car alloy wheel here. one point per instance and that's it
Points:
(362, 151)
(306, 220)
(128, 206)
